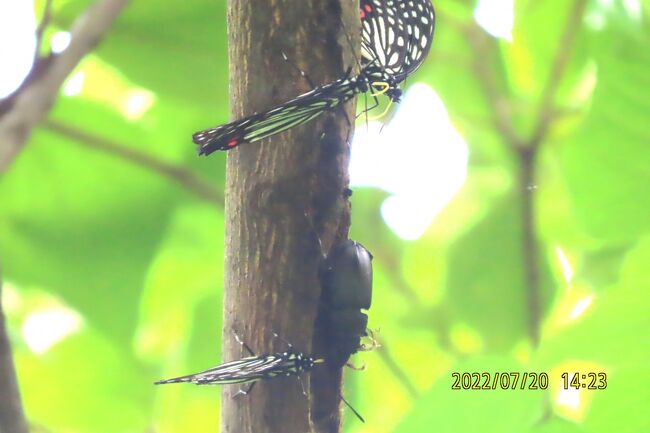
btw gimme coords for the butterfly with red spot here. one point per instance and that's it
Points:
(292, 113)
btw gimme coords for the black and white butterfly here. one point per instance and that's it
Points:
(383, 34)
(396, 37)
(294, 112)
(251, 369)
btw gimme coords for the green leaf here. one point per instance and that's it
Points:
(184, 406)
(605, 164)
(611, 337)
(187, 268)
(556, 425)
(72, 221)
(486, 282)
(84, 383)
(181, 49)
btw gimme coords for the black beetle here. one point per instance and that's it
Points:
(346, 280)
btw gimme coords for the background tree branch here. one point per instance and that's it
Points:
(42, 25)
(485, 47)
(547, 109)
(525, 149)
(32, 102)
(188, 180)
(12, 418)
(18, 115)
(527, 155)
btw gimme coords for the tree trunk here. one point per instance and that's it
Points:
(272, 254)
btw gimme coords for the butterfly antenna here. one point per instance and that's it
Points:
(310, 220)
(302, 73)
(347, 38)
(365, 111)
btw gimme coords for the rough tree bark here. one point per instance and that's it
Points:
(272, 255)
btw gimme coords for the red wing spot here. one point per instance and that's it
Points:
(368, 8)
(232, 143)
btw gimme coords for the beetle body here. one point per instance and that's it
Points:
(346, 279)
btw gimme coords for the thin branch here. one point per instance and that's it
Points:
(188, 180)
(526, 149)
(547, 110)
(12, 417)
(497, 102)
(40, 63)
(35, 100)
(527, 158)
(529, 244)
(40, 30)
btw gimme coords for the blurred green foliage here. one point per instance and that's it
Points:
(132, 254)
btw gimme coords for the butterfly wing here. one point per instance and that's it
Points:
(396, 34)
(243, 370)
(420, 20)
(396, 37)
(292, 113)
(383, 35)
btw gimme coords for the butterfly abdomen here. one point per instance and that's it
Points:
(181, 379)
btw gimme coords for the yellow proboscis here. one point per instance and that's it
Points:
(383, 113)
(383, 87)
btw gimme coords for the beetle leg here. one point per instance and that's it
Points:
(244, 392)
(354, 367)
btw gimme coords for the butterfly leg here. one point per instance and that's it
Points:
(367, 108)
(302, 73)
(241, 342)
(302, 386)
(345, 113)
(350, 44)
(309, 214)
(244, 392)
(289, 345)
